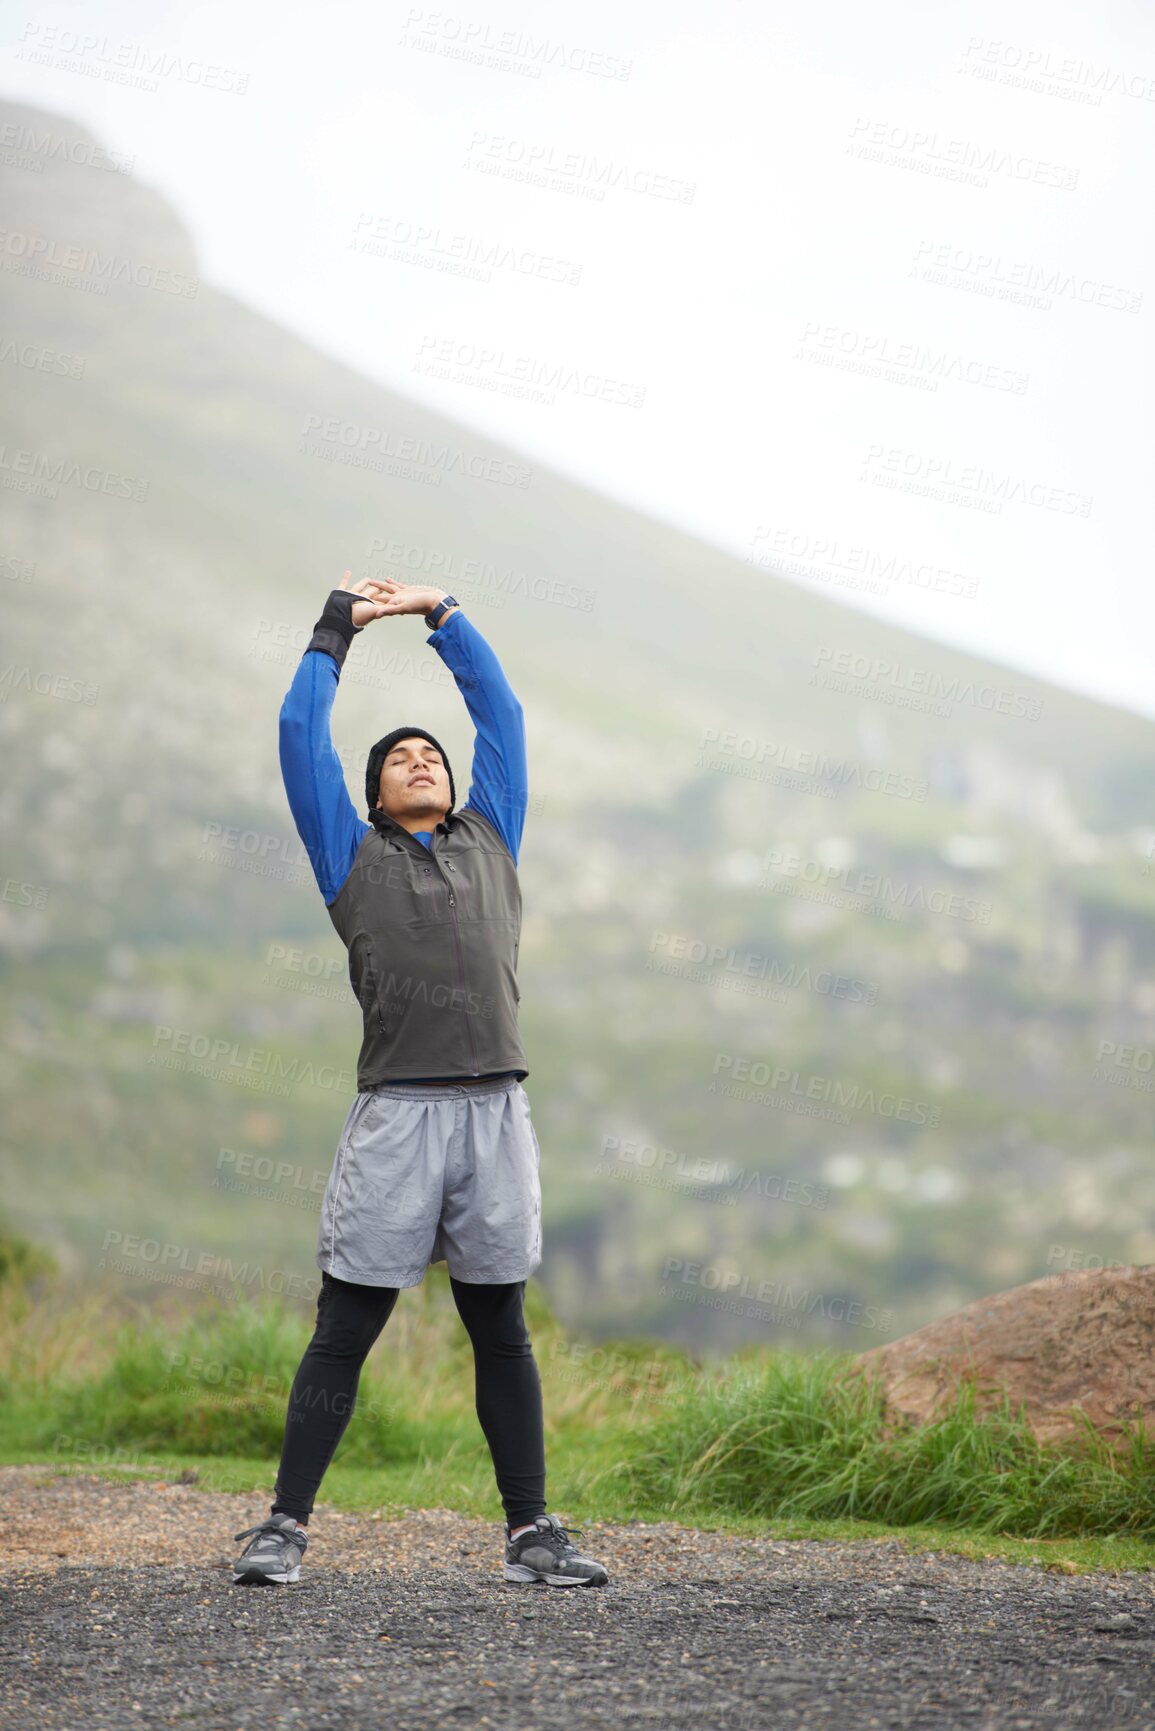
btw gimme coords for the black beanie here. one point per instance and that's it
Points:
(381, 751)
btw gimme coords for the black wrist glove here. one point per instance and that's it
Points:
(334, 630)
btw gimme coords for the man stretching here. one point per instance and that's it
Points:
(438, 1158)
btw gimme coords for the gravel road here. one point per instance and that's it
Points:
(118, 1609)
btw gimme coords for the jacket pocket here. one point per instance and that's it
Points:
(370, 993)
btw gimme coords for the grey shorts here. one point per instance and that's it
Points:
(429, 1174)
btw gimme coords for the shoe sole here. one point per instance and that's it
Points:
(260, 1578)
(522, 1572)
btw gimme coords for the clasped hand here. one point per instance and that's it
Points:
(389, 597)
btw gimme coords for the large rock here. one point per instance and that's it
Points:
(1084, 1340)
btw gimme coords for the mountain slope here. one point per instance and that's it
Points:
(150, 640)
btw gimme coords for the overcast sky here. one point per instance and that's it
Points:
(868, 290)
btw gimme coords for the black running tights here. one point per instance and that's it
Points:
(507, 1389)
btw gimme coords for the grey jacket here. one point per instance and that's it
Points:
(433, 936)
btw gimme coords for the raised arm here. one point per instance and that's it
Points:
(325, 816)
(499, 779)
(499, 787)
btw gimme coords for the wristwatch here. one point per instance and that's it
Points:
(439, 612)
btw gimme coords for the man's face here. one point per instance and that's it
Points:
(414, 782)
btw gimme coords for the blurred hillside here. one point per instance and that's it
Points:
(931, 922)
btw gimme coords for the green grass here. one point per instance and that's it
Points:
(794, 1435)
(787, 1445)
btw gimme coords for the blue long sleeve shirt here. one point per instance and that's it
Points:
(326, 819)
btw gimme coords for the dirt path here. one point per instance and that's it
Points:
(119, 1610)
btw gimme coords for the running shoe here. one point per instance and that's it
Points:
(547, 1553)
(274, 1555)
